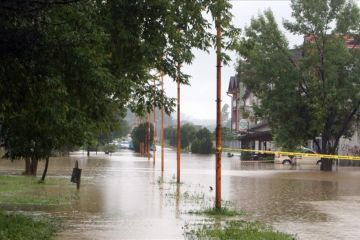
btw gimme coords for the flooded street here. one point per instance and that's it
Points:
(123, 197)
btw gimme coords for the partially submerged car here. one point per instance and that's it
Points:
(298, 158)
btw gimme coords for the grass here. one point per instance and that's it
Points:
(20, 227)
(21, 190)
(218, 212)
(17, 192)
(235, 228)
(239, 229)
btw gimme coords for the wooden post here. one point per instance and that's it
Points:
(76, 175)
(162, 127)
(218, 111)
(178, 127)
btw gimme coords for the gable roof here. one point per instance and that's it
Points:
(233, 84)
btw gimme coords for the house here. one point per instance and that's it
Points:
(255, 133)
(252, 132)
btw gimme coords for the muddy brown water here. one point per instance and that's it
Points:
(121, 197)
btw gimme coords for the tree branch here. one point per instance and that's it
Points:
(348, 120)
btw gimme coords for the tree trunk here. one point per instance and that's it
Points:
(45, 169)
(27, 166)
(33, 166)
(88, 152)
(326, 164)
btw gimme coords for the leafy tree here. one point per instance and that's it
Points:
(139, 135)
(69, 68)
(202, 143)
(188, 132)
(49, 104)
(109, 148)
(315, 93)
(170, 135)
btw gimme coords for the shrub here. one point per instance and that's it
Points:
(202, 143)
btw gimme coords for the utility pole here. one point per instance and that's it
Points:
(162, 127)
(143, 121)
(218, 111)
(178, 127)
(148, 136)
(154, 135)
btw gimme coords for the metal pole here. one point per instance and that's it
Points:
(154, 135)
(218, 112)
(178, 127)
(148, 137)
(162, 127)
(145, 140)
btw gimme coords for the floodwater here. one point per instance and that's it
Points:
(124, 196)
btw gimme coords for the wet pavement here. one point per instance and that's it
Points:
(124, 196)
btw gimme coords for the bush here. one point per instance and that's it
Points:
(245, 155)
(202, 143)
(109, 148)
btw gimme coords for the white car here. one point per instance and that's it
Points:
(298, 159)
(124, 145)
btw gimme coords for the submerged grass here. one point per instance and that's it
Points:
(218, 212)
(239, 229)
(21, 190)
(20, 227)
(223, 223)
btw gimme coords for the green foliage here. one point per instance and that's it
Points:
(218, 212)
(70, 68)
(245, 155)
(119, 129)
(187, 132)
(109, 148)
(18, 227)
(140, 135)
(50, 104)
(317, 92)
(170, 135)
(202, 143)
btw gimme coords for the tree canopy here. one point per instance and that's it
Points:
(312, 90)
(188, 132)
(202, 143)
(70, 68)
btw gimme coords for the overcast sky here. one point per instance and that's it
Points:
(198, 100)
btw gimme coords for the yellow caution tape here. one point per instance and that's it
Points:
(296, 154)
